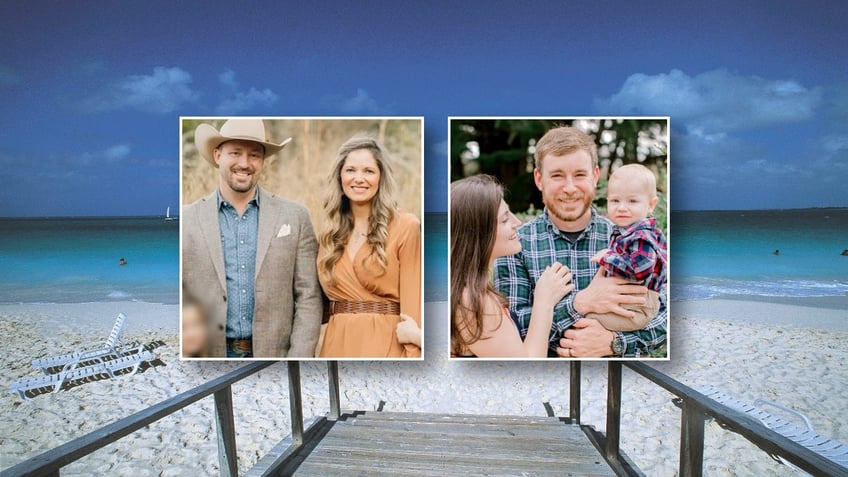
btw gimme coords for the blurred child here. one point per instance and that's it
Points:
(194, 329)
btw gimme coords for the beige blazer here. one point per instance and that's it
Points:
(287, 315)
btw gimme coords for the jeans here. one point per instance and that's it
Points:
(234, 350)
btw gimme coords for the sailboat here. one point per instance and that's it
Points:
(168, 215)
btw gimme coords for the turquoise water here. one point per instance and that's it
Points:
(76, 260)
(712, 254)
(73, 260)
(435, 257)
(724, 253)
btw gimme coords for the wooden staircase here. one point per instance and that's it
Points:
(389, 443)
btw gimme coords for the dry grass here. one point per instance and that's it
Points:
(301, 170)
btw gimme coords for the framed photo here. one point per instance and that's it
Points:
(539, 210)
(301, 237)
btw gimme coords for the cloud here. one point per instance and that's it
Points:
(836, 98)
(738, 141)
(714, 102)
(438, 147)
(240, 101)
(836, 145)
(244, 101)
(228, 78)
(362, 102)
(8, 76)
(736, 173)
(116, 154)
(163, 163)
(164, 91)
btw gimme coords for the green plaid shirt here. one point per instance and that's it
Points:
(543, 243)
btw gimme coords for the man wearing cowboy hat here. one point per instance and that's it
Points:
(248, 255)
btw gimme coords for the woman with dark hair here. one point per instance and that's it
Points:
(482, 229)
(369, 260)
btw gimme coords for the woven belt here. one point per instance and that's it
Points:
(378, 307)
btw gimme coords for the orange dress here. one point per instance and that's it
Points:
(372, 335)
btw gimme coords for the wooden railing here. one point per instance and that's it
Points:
(695, 410)
(51, 462)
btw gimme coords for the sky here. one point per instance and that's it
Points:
(92, 93)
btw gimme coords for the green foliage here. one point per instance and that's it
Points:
(498, 157)
(661, 213)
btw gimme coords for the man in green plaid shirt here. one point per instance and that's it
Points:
(570, 231)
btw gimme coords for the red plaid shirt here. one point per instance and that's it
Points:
(638, 253)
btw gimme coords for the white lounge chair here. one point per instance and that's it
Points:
(88, 351)
(129, 363)
(805, 435)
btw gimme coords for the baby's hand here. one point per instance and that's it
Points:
(408, 330)
(598, 256)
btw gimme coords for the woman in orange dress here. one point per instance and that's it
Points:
(369, 260)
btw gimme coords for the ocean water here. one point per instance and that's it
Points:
(713, 254)
(75, 260)
(435, 257)
(721, 253)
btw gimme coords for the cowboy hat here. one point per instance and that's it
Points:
(207, 138)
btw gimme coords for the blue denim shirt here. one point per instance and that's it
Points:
(238, 239)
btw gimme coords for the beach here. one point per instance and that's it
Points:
(781, 361)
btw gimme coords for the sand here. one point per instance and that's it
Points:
(799, 367)
(820, 313)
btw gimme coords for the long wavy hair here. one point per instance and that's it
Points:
(474, 203)
(338, 224)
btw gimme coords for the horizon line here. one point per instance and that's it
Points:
(85, 217)
(425, 212)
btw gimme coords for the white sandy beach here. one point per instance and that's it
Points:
(797, 366)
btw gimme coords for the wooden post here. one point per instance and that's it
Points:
(296, 403)
(613, 410)
(227, 457)
(574, 398)
(691, 441)
(333, 385)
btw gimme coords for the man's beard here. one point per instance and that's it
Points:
(239, 186)
(587, 203)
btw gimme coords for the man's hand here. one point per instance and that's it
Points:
(586, 339)
(607, 294)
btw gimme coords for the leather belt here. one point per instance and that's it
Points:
(241, 344)
(377, 307)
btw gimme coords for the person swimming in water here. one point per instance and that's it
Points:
(122, 262)
(777, 252)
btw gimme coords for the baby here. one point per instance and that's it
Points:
(638, 250)
(194, 329)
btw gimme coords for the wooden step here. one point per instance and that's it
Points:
(455, 418)
(435, 430)
(421, 416)
(384, 443)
